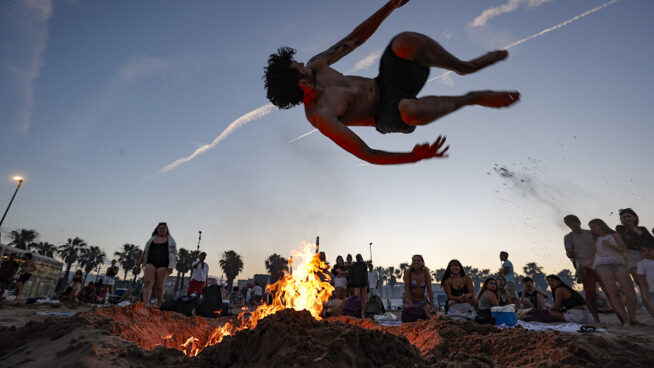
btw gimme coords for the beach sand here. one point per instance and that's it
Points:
(142, 337)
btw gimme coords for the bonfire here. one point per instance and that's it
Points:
(303, 287)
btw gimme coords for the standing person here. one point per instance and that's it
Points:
(334, 102)
(348, 264)
(257, 291)
(633, 236)
(507, 271)
(373, 281)
(359, 281)
(611, 266)
(458, 286)
(340, 272)
(7, 271)
(111, 273)
(579, 247)
(645, 272)
(199, 273)
(531, 297)
(565, 297)
(27, 268)
(416, 280)
(159, 258)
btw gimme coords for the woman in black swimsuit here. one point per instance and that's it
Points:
(569, 305)
(458, 287)
(160, 258)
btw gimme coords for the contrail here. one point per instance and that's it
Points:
(546, 30)
(257, 113)
(302, 136)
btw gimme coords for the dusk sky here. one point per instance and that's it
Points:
(99, 99)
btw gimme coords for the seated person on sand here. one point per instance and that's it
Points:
(334, 102)
(530, 297)
(457, 286)
(417, 280)
(645, 274)
(504, 297)
(87, 294)
(565, 297)
(487, 298)
(340, 272)
(236, 300)
(73, 288)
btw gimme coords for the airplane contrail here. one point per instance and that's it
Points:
(546, 30)
(257, 113)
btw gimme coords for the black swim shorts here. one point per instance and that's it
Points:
(398, 78)
(24, 277)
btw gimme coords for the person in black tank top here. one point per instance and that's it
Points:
(458, 287)
(159, 259)
(569, 305)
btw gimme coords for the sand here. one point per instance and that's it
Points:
(142, 337)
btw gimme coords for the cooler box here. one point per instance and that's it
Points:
(507, 318)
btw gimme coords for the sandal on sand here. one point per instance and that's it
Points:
(587, 328)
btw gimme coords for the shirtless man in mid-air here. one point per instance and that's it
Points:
(333, 101)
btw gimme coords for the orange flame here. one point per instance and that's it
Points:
(303, 288)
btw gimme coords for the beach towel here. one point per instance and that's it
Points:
(462, 312)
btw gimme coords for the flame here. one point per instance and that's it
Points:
(303, 288)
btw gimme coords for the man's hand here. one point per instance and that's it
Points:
(398, 3)
(425, 151)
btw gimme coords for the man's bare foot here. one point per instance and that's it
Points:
(483, 61)
(494, 99)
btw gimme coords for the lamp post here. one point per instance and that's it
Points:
(370, 245)
(20, 181)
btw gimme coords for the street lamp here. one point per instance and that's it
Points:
(20, 181)
(370, 245)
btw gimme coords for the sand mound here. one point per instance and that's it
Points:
(142, 337)
(456, 343)
(294, 339)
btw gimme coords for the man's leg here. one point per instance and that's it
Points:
(590, 291)
(427, 52)
(424, 110)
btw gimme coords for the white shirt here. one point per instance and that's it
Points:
(199, 273)
(257, 290)
(646, 268)
(373, 277)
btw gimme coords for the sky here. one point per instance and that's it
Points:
(123, 114)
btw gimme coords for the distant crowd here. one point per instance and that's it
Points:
(614, 260)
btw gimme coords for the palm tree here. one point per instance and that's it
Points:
(566, 276)
(128, 257)
(231, 264)
(403, 267)
(70, 252)
(276, 264)
(381, 271)
(533, 270)
(437, 275)
(21, 238)
(44, 248)
(182, 266)
(90, 258)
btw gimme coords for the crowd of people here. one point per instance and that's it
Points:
(614, 260)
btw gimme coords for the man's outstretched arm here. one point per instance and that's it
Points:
(335, 130)
(359, 35)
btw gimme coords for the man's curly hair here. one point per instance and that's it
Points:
(281, 81)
